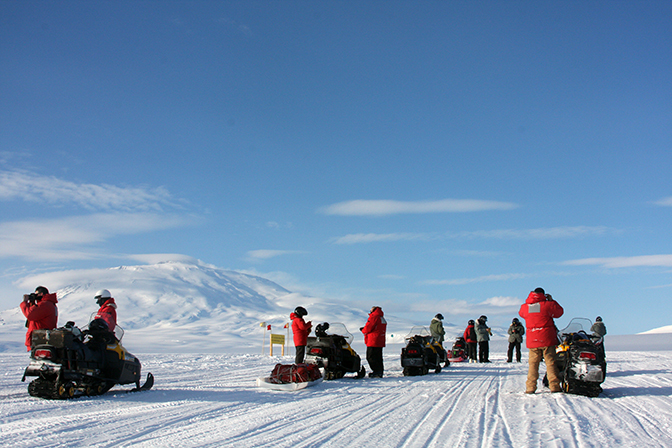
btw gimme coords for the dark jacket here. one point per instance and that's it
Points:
(516, 332)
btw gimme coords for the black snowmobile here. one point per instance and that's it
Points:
(330, 348)
(422, 353)
(69, 362)
(580, 359)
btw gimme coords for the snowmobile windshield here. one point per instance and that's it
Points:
(118, 331)
(418, 331)
(577, 324)
(340, 330)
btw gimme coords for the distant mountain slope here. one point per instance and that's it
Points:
(180, 306)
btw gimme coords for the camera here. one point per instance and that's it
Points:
(32, 297)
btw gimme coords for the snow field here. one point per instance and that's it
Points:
(212, 400)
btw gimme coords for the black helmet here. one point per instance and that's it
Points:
(515, 321)
(483, 318)
(598, 319)
(439, 316)
(471, 322)
(97, 325)
(300, 311)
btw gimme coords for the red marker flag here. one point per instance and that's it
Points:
(286, 326)
(269, 327)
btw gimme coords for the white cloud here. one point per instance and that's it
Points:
(510, 234)
(390, 207)
(358, 238)
(490, 306)
(536, 234)
(625, 262)
(665, 202)
(51, 190)
(71, 238)
(481, 279)
(264, 254)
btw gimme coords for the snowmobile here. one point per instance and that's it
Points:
(580, 359)
(69, 362)
(422, 353)
(330, 348)
(458, 352)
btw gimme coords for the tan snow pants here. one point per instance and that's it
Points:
(548, 355)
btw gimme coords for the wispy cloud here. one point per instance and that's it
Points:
(481, 279)
(265, 254)
(625, 262)
(114, 211)
(72, 238)
(504, 234)
(364, 207)
(54, 191)
(359, 238)
(491, 306)
(536, 234)
(664, 202)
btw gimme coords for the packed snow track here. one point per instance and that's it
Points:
(212, 400)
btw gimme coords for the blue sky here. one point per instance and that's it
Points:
(424, 156)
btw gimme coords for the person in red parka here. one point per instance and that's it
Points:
(374, 338)
(40, 310)
(300, 330)
(539, 310)
(470, 340)
(107, 310)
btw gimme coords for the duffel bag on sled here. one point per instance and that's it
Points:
(291, 377)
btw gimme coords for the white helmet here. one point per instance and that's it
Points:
(103, 294)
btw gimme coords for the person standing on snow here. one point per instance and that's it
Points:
(436, 328)
(374, 338)
(598, 328)
(516, 332)
(300, 330)
(483, 334)
(40, 310)
(107, 310)
(470, 340)
(539, 310)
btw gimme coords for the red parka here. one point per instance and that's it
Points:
(375, 328)
(108, 312)
(470, 334)
(42, 315)
(539, 312)
(300, 330)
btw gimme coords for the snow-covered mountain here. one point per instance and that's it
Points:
(184, 306)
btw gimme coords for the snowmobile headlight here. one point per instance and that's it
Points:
(43, 353)
(587, 355)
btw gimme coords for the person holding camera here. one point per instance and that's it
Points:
(516, 332)
(40, 310)
(539, 310)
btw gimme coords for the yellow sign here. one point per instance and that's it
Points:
(278, 339)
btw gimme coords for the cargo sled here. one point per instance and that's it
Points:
(290, 377)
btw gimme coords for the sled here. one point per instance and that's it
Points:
(266, 383)
(290, 377)
(458, 359)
